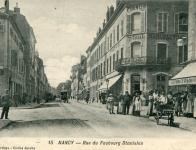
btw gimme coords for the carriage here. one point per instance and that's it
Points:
(165, 112)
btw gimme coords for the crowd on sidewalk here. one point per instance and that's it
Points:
(182, 102)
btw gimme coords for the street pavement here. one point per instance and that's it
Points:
(78, 119)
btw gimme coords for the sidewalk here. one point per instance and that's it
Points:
(5, 122)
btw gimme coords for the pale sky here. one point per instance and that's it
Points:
(64, 29)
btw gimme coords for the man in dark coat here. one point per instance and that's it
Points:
(6, 103)
(126, 103)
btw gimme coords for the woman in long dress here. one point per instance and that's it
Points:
(189, 106)
(137, 104)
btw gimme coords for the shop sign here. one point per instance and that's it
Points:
(183, 81)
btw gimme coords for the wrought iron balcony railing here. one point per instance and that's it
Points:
(141, 61)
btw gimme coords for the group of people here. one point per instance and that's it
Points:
(182, 102)
(124, 102)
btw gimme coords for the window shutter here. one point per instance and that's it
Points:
(128, 23)
(176, 23)
(143, 22)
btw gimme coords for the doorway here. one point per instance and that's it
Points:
(135, 83)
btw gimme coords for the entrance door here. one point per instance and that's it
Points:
(135, 83)
(161, 82)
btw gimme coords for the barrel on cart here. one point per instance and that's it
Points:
(165, 112)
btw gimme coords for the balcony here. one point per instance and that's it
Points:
(147, 62)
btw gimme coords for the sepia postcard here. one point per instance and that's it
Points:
(97, 74)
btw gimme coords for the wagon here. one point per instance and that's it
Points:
(165, 112)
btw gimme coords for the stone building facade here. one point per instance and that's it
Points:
(136, 49)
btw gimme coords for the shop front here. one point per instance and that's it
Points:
(185, 80)
(112, 85)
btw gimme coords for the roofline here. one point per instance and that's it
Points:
(108, 24)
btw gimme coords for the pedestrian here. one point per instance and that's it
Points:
(150, 104)
(6, 103)
(110, 102)
(126, 103)
(190, 104)
(120, 103)
(137, 104)
(184, 102)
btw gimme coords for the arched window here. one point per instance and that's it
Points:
(136, 50)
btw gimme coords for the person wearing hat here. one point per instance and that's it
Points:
(6, 103)
(150, 105)
(110, 101)
(126, 103)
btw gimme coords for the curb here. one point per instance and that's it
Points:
(4, 123)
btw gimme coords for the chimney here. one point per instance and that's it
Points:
(17, 9)
(7, 5)
(117, 2)
(108, 14)
(111, 10)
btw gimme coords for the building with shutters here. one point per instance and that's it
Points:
(136, 48)
(17, 57)
(12, 67)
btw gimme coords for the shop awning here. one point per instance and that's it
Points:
(187, 76)
(111, 82)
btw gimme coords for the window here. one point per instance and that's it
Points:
(117, 55)
(122, 27)
(114, 37)
(136, 49)
(101, 75)
(110, 40)
(136, 22)
(118, 33)
(14, 58)
(2, 27)
(181, 22)
(114, 61)
(183, 53)
(162, 22)
(121, 53)
(104, 66)
(107, 68)
(110, 63)
(161, 52)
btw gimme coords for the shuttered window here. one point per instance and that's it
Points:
(162, 22)
(118, 33)
(136, 22)
(181, 22)
(128, 23)
(122, 27)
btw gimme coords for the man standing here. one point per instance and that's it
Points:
(126, 103)
(110, 101)
(6, 103)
